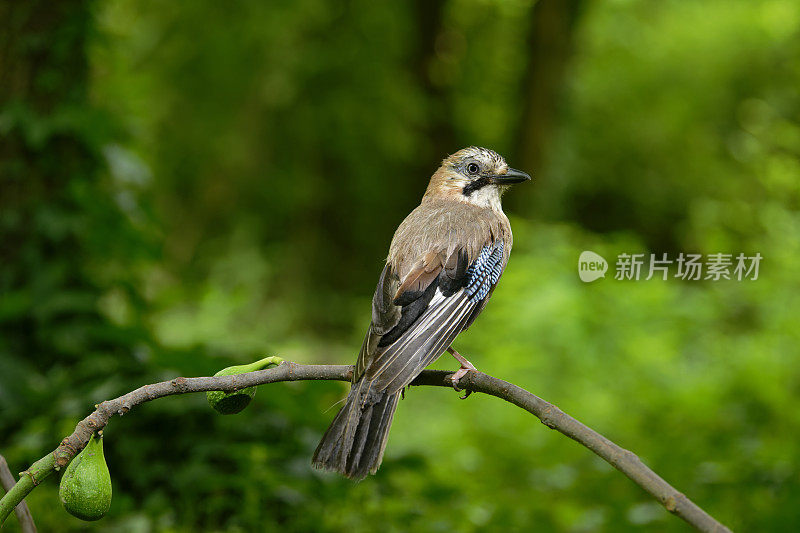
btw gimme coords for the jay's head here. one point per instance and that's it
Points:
(474, 175)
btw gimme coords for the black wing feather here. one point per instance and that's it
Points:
(432, 318)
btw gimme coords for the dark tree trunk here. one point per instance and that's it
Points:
(440, 136)
(550, 45)
(53, 212)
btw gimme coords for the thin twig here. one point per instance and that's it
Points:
(23, 513)
(620, 458)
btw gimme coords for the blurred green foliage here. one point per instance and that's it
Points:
(194, 184)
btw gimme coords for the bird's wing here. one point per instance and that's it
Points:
(385, 316)
(435, 301)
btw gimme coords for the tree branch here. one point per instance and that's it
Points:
(23, 513)
(550, 415)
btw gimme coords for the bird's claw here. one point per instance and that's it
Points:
(466, 366)
(457, 375)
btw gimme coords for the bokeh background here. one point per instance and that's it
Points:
(192, 184)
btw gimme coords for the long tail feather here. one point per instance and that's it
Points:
(356, 439)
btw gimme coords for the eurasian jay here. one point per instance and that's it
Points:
(444, 262)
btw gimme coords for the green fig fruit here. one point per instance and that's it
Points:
(85, 489)
(230, 403)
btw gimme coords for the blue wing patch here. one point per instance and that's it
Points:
(485, 271)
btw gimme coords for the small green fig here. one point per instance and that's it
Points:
(85, 489)
(230, 403)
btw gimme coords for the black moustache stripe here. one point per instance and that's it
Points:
(475, 185)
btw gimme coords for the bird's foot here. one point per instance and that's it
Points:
(466, 366)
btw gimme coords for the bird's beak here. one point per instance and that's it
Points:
(510, 177)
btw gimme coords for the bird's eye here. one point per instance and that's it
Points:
(473, 168)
